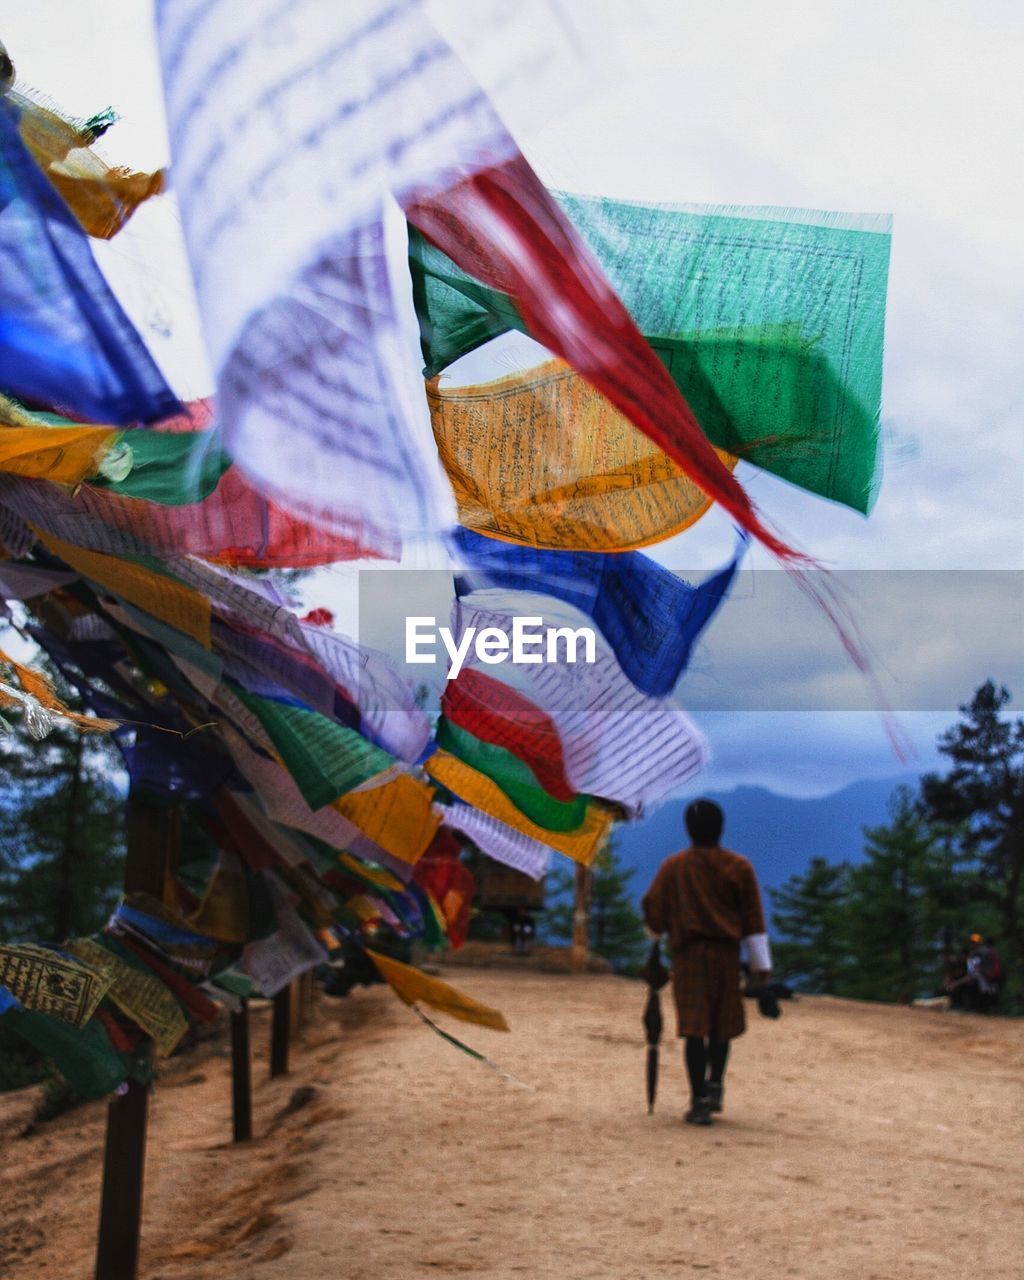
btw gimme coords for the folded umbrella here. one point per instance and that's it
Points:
(655, 975)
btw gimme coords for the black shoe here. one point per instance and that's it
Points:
(714, 1095)
(699, 1113)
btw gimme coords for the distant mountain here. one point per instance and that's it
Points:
(780, 834)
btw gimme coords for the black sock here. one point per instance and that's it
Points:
(696, 1064)
(718, 1054)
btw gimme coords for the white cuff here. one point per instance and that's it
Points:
(759, 953)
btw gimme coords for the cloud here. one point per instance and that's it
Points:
(932, 637)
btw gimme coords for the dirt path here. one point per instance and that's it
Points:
(858, 1141)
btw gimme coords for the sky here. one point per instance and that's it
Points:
(912, 109)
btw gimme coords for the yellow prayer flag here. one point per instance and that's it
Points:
(169, 601)
(50, 983)
(398, 815)
(413, 985)
(102, 198)
(472, 787)
(63, 455)
(142, 996)
(541, 458)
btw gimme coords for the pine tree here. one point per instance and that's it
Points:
(62, 845)
(890, 920)
(809, 923)
(981, 804)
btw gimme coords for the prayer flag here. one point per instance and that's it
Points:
(326, 759)
(398, 815)
(496, 713)
(541, 458)
(83, 1055)
(166, 599)
(650, 617)
(413, 986)
(136, 992)
(63, 453)
(474, 788)
(64, 339)
(51, 983)
(498, 840)
(771, 323)
(514, 777)
(618, 743)
(360, 101)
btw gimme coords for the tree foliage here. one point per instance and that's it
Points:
(62, 842)
(808, 916)
(980, 802)
(615, 928)
(947, 864)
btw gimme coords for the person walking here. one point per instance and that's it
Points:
(707, 900)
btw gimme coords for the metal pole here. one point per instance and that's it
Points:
(280, 1032)
(153, 837)
(241, 1075)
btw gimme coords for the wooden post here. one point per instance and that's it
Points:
(308, 995)
(124, 1164)
(581, 919)
(280, 1032)
(295, 1010)
(153, 837)
(241, 1075)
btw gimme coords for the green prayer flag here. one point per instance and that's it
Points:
(515, 778)
(770, 321)
(83, 1055)
(326, 759)
(170, 467)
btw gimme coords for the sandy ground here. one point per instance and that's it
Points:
(858, 1141)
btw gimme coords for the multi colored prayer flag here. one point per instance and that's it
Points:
(474, 788)
(618, 744)
(771, 323)
(515, 777)
(541, 458)
(496, 713)
(65, 341)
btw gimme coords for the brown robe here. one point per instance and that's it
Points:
(706, 901)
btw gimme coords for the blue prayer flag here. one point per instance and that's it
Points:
(650, 617)
(65, 341)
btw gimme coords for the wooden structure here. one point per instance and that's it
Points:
(501, 888)
(153, 846)
(153, 834)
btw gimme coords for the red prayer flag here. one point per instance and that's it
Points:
(496, 713)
